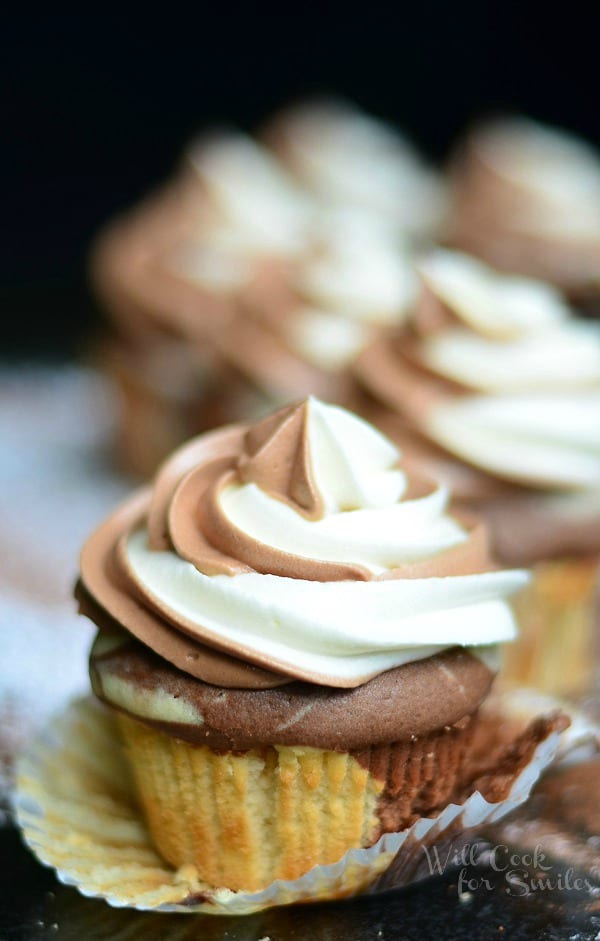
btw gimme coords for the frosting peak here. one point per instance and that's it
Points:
(310, 492)
(322, 459)
(299, 548)
(277, 459)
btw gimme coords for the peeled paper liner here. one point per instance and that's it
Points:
(76, 807)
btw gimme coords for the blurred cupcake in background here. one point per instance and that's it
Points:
(494, 387)
(526, 198)
(347, 158)
(168, 273)
(256, 276)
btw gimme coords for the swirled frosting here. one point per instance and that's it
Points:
(301, 324)
(496, 371)
(527, 198)
(250, 192)
(296, 548)
(348, 158)
(355, 276)
(240, 205)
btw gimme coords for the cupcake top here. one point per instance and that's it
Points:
(296, 548)
(250, 193)
(527, 198)
(496, 371)
(241, 205)
(333, 148)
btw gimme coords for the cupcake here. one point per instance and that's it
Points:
(168, 272)
(526, 199)
(295, 638)
(494, 387)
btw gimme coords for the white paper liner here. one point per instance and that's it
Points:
(75, 805)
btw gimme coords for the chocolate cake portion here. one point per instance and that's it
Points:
(399, 705)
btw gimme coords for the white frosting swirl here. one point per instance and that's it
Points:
(358, 275)
(359, 267)
(348, 158)
(342, 629)
(539, 369)
(252, 194)
(326, 338)
(551, 441)
(558, 174)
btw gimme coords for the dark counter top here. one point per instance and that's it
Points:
(34, 906)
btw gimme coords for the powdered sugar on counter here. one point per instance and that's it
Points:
(56, 483)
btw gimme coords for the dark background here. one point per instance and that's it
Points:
(98, 104)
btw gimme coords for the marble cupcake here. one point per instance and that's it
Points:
(296, 637)
(168, 273)
(526, 198)
(494, 387)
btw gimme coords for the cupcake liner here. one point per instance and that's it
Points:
(271, 813)
(76, 807)
(245, 820)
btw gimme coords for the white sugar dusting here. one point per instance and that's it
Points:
(55, 485)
